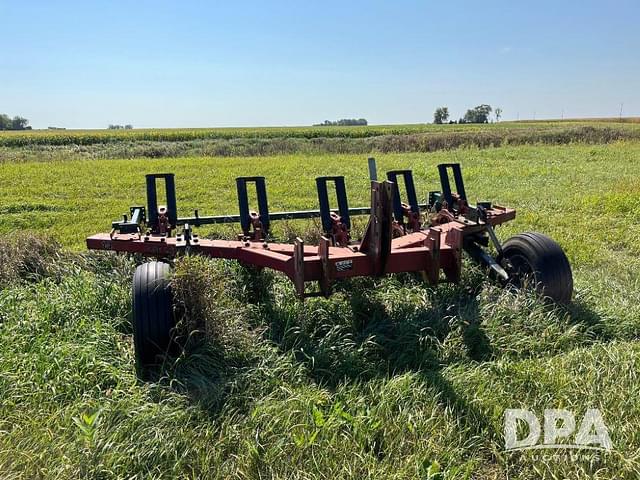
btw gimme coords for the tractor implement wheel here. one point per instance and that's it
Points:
(535, 259)
(153, 319)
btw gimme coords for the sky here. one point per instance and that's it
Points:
(88, 64)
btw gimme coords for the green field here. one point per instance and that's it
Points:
(88, 137)
(56, 145)
(388, 378)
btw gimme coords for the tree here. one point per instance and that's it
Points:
(15, 123)
(441, 115)
(479, 114)
(498, 113)
(5, 122)
(19, 123)
(343, 122)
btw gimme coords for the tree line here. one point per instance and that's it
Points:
(15, 123)
(479, 114)
(343, 122)
(120, 127)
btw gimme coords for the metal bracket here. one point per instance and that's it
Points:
(187, 240)
(480, 256)
(377, 238)
(433, 242)
(249, 219)
(298, 267)
(410, 209)
(458, 200)
(454, 237)
(373, 170)
(170, 212)
(481, 210)
(327, 269)
(138, 219)
(334, 225)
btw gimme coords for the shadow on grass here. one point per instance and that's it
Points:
(215, 363)
(358, 338)
(200, 371)
(359, 335)
(581, 314)
(365, 337)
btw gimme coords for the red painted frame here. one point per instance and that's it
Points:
(429, 250)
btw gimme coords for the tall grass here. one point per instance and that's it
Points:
(389, 378)
(43, 146)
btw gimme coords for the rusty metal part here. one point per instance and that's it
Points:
(339, 231)
(164, 226)
(412, 218)
(258, 233)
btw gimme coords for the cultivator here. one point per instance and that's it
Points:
(402, 235)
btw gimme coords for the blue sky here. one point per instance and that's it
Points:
(197, 64)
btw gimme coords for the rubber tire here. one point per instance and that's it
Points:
(547, 262)
(153, 318)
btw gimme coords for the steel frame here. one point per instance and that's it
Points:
(394, 240)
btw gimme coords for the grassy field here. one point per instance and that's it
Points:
(88, 137)
(389, 378)
(56, 145)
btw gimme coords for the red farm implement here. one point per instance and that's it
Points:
(402, 235)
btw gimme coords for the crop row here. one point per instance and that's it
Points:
(90, 137)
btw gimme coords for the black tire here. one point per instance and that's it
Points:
(535, 259)
(153, 319)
